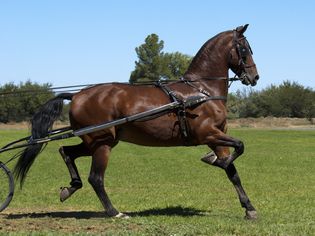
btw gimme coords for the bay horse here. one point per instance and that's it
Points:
(205, 123)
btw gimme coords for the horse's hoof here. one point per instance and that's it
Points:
(122, 216)
(65, 193)
(209, 158)
(117, 214)
(251, 215)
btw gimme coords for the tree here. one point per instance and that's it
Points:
(19, 103)
(289, 99)
(153, 64)
(245, 103)
(149, 66)
(8, 106)
(295, 99)
(175, 65)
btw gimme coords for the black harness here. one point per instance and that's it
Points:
(189, 102)
(180, 111)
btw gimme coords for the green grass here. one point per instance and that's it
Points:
(169, 191)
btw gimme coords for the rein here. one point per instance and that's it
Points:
(203, 91)
(153, 82)
(191, 84)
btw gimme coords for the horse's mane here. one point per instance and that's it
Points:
(207, 46)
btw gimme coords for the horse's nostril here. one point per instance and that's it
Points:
(257, 77)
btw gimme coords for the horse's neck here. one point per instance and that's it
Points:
(213, 58)
(211, 62)
(216, 87)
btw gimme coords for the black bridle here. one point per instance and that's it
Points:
(243, 50)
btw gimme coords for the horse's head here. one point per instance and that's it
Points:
(241, 59)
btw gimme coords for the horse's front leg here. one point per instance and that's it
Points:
(221, 156)
(245, 202)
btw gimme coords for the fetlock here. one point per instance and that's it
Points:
(76, 183)
(212, 159)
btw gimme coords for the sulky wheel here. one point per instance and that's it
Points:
(6, 186)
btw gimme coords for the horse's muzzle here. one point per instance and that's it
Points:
(249, 80)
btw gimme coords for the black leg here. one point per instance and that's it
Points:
(245, 202)
(219, 142)
(69, 154)
(96, 179)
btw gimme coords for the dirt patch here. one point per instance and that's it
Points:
(67, 222)
(271, 122)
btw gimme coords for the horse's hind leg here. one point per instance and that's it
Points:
(69, 154)
(99, 163)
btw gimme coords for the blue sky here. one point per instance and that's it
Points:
(82, 42)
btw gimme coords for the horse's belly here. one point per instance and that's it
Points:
(151, 133)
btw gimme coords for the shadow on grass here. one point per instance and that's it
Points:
(169, 211)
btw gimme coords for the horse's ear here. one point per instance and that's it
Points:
(242, 29)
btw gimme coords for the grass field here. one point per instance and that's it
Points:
(169, 191)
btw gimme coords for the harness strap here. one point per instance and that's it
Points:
(203, 91)
(180, 111)
(167, 90)
(189, 102)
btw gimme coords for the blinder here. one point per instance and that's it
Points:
(243, 50)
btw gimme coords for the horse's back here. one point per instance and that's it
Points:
(112, 101)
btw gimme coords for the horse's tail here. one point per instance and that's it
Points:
(41, 124)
